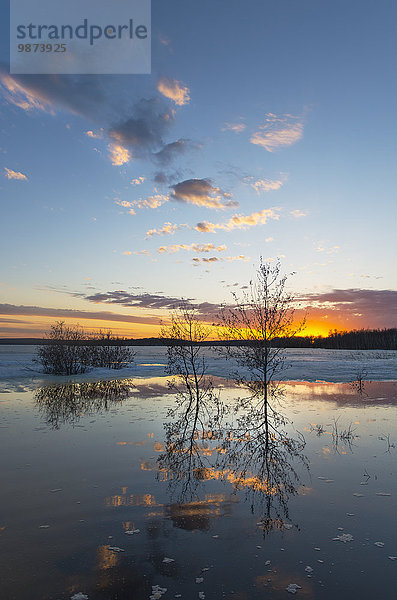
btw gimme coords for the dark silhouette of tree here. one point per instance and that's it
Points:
(260, 316)
(69, 350)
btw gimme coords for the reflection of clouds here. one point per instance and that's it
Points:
(125, 499)
(343, 394)
(106, 559)
(184, 515)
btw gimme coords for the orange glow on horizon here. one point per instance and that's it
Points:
(37, 326)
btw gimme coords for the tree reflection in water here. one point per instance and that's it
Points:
(67, 403)
(243, 445)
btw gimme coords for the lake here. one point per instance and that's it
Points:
(113, 490)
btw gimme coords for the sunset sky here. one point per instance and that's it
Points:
(267, 128)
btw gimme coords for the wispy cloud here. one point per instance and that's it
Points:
(201, 192)
(10, 174)
(173, 150)
(376, 308)
(143, 203)
(234, 127)
(191, 248)
(266, 185)
(278, 131)
(174, 90)
(166, 229)
(298, 214)
(67, 313)
(241, 221)
(214, 259)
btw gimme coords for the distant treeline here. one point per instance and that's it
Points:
(357, 339)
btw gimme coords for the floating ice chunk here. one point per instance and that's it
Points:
(215, 537)
(287, 526)
(344, 537)
(79, 596)
(382, 494)
(115, 549)
(44, 527)
(309, 569)
(56, 490)
(379, 544)
(358, 495)
(201, 596)
(292, 588)
(132, 531)
(199, 579)
(168, 560)
(350, 514)
(157, 592)
(392, 557)
(318, 549)
(267, 563)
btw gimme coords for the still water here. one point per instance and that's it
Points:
(112, 490)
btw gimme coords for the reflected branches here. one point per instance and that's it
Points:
(67, 403)
(193, 424)
(244, 443)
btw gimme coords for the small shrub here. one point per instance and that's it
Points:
(70, 351)
(63, 354)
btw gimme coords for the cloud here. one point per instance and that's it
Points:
(172, 150)
(241, 221)
(201, 192)
(213, 259)
(10, 174)
(67, 313)
(138, 181)
(145, 128)
(143, 203)
(235, 127)
(118, 154)
(266, 185)
(298, 213)
(278, 131)
(329, 250)
(124, 298)
(166, 229)
(174, 90)
(376, 308)
(138, 125)
(93, 135)
(191, 247)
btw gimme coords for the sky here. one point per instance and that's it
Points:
(266, 129)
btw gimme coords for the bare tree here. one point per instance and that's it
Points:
(255, 327)
(195, 418)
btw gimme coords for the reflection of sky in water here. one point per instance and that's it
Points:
(70, 494)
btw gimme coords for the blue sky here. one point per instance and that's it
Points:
(270, 124)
